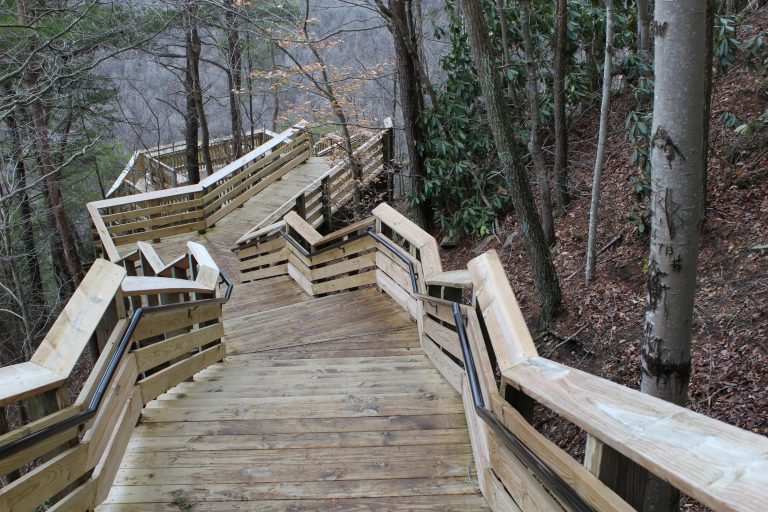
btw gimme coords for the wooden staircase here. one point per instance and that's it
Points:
(306, 413)
(343, 371)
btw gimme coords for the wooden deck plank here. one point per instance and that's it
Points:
(444, 503)
(333, 489)
(308, 412)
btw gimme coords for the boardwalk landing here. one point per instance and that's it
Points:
(264, 206)
(322, 404)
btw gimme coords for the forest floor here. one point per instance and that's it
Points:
(601, 330)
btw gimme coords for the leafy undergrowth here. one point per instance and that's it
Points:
(601, 330)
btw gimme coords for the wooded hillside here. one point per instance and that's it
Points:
(613, 153)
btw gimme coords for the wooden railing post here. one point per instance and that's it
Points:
(301, 206)
(327, 207)
(621, 475)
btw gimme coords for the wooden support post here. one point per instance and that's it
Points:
(623, 476)
(327, 207)
(4, 428)
(301, 206)
(200, 195)
(311, 144)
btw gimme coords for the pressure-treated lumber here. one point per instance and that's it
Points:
(70, 333)
(720, 465)
(24, 380)
(509, 335)
(273, 431)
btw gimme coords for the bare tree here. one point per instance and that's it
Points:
(605, 110)
(537, 153)
(234, 75)
(676, 181)
(509, 151)
(643, 26)
(411, 103)
(561, 120)
(191, 114)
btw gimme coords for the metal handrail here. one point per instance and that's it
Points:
(552, 481)
(106, 379)
(542, 471)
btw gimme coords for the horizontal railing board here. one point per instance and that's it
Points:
(720, 465)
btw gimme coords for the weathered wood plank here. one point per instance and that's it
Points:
(169, 377)
(73, 328)
(688, 449)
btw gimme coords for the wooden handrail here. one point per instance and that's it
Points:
(253, 155)
(67, 338)
(138, 217)
(163, 151)
(503, 318)
(81, 444)
(722, 466)
(336, 173)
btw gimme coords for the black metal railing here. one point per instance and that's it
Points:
(539, 468)
(552, 481)
(78, 419)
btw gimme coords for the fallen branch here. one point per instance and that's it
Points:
(565, 340)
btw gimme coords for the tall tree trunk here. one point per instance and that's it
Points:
(71, 255)
(537, 154)
(411, 103)
(501, 9)
(643, 26)
(676, 182)
(249, 81)
(275, 92)
(192, 116)
(605, 110)
(558, 90)
(205, 138)
(60, 216)
(708, 63)
(64, 282)
(594, 48)
(235, 75)
(32, 263)
(509, 152)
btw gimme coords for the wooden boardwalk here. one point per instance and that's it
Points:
(322, 404)
(219, 239)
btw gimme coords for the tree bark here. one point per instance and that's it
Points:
(708, 63)
(191, 118)
(32, 263)
(63, 223)
(205, 139)
(676, 182)
(411, 104)
(506, 54)
(561, 120)
(235, 75)
(275, 92)
(71, 255)
(509, 152)
(643, 26)
(605, 110)
(537, 154)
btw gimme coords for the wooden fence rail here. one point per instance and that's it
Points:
(629, 435)
(148, 332)
(319, 200)
(164, 166)
(121, 222)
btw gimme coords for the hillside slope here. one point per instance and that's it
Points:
(601, 331)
